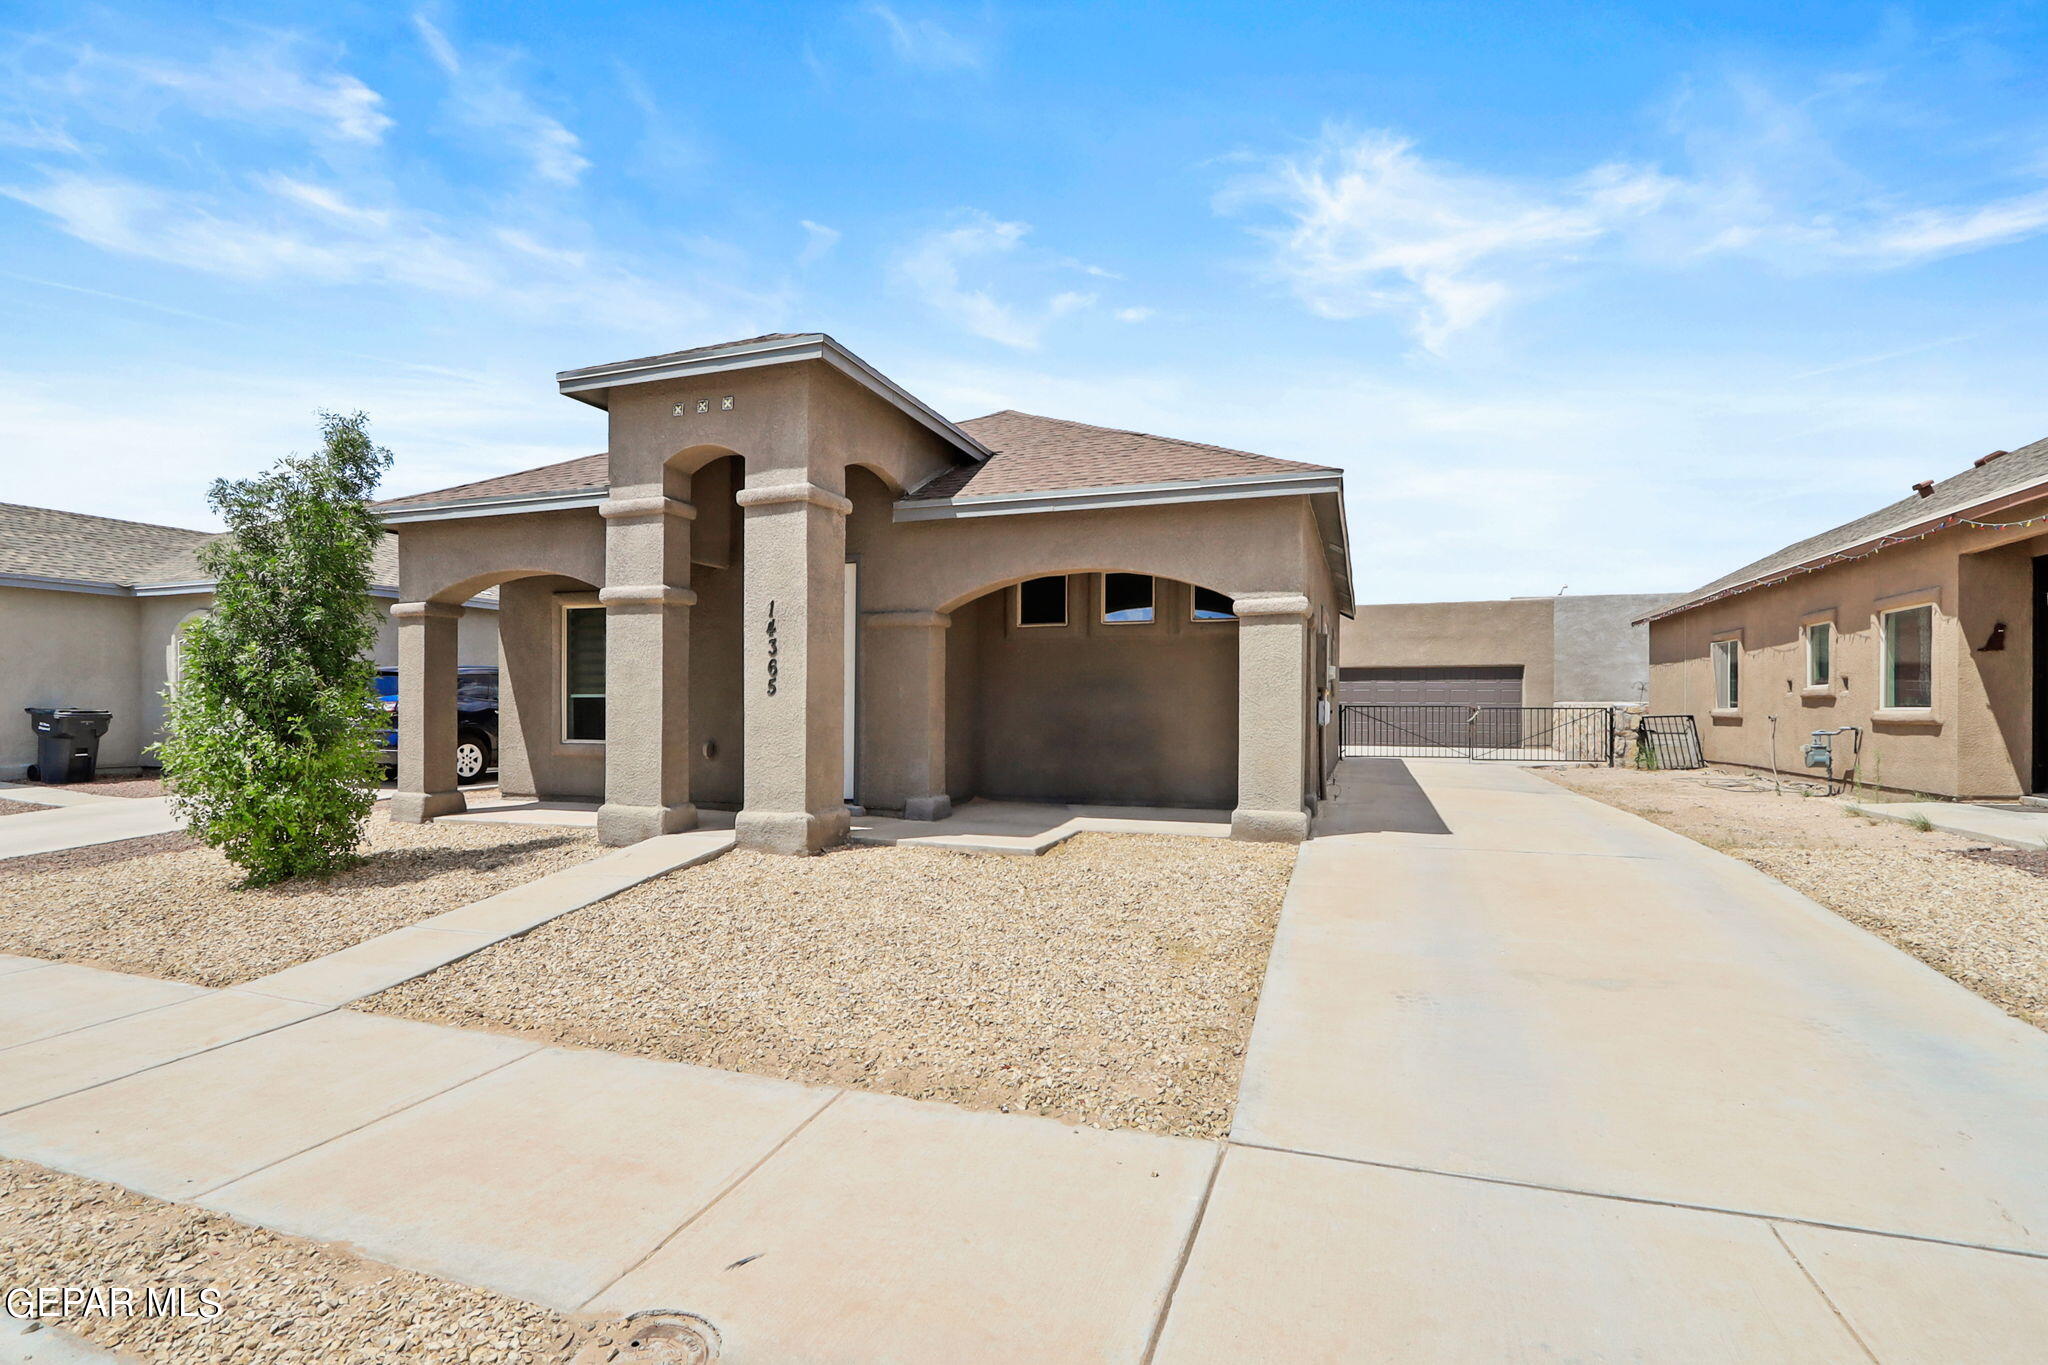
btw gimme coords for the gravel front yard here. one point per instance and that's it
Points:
(20, 807)
(1110, 982)
(1979, 916)
(281, 1298)
(167, 906)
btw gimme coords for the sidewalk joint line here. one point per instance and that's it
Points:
(1650, 1200)
(131, 1014)
(1825, 1297)
(367, 1123)
(1187, 1252)
(714, 1201)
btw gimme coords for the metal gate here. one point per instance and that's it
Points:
(1661, 742)
(1553, 734)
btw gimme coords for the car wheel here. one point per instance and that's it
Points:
(470, 760)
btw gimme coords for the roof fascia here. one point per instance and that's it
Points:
(505, 506)
(51, 583)
(1120, 495)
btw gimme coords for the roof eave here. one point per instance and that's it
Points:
(506, 505)
(1868, 546)
(1301, 484)
(591, 383)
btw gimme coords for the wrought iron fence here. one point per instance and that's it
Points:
(1559, 734)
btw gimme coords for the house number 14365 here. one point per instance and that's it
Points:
(774, 648)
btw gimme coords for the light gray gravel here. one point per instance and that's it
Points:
(170, 907)
(1110, 982)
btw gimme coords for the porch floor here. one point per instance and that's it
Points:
(1029, 828)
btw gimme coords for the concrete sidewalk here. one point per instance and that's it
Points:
(101, 820)
(2011, 826)
(1531, 1078)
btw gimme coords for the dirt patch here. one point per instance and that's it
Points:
(168, 906)
(20, 807)
(1110, 982)
(1977, 915)
(280, 1298)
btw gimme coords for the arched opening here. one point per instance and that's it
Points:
(717, 700)
(551, 688)
(1099, 687)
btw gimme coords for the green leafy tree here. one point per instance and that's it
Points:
(271, 750)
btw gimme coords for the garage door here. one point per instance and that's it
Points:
(1480, 685)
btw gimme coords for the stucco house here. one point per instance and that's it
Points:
(790, 587)
(90, 608)
(1919, 630)
(1585, 650)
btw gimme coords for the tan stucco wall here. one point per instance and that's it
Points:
(68, 649)
(1977, 739)
(1458, 634)
(1140, 714)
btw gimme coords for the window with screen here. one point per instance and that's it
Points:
(1820, 650)
(1211, 605)
(1909, 658)
(1042, 601)
(1727, 675)
(583, 673)
(1126, 598)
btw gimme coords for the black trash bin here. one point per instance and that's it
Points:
(67, 742)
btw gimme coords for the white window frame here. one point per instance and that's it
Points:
(563, 606)
(1102, 600)
(1066, 612)
(1887, 684)
(1200, 620)
(1726, 658)
(1827, 678)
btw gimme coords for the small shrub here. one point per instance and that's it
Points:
(1920, 822)
(270, 754)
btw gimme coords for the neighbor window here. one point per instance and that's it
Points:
(1126, 598)
(583, 673)
(1820, 652)
(1727, 675)
(1211, 605)
(1042, 601)
(1909, 658)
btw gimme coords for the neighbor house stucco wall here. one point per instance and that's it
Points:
(1974, 742)
(69, 649)
(1599, 655)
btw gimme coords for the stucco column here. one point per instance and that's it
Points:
(794, 689)
(427, 785)
(903, 713)
(647, 601)
(1272, 717)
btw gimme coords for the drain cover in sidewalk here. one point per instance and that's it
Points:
(651, 1339)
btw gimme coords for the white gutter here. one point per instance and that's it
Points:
(502, 506)
(1119, 495)
(588, 385)
(48, 584)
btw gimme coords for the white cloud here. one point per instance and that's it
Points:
(485, 98)
(1133, 314)
(818, 242)
(34, 135)
(264, 83)
(933, 269)
(924, 42)
(1370, 226)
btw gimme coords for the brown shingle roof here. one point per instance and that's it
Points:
(184, 566)
(45, 543)
(1046, 454)
(1032, 455)
(584, 473)
(2010, 475)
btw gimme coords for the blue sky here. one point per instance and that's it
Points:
(1614, 298)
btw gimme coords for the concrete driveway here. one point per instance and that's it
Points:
(1576, 1087)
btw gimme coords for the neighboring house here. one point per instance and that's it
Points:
(90, 609)
(1524, 651)
(789, 585)
(1922, 625)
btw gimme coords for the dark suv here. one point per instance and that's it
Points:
(476, 719)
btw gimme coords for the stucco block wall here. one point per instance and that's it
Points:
(1600, 657)
(1977, 739)
(1457, 634)
(68, 649)
(1140, 714)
